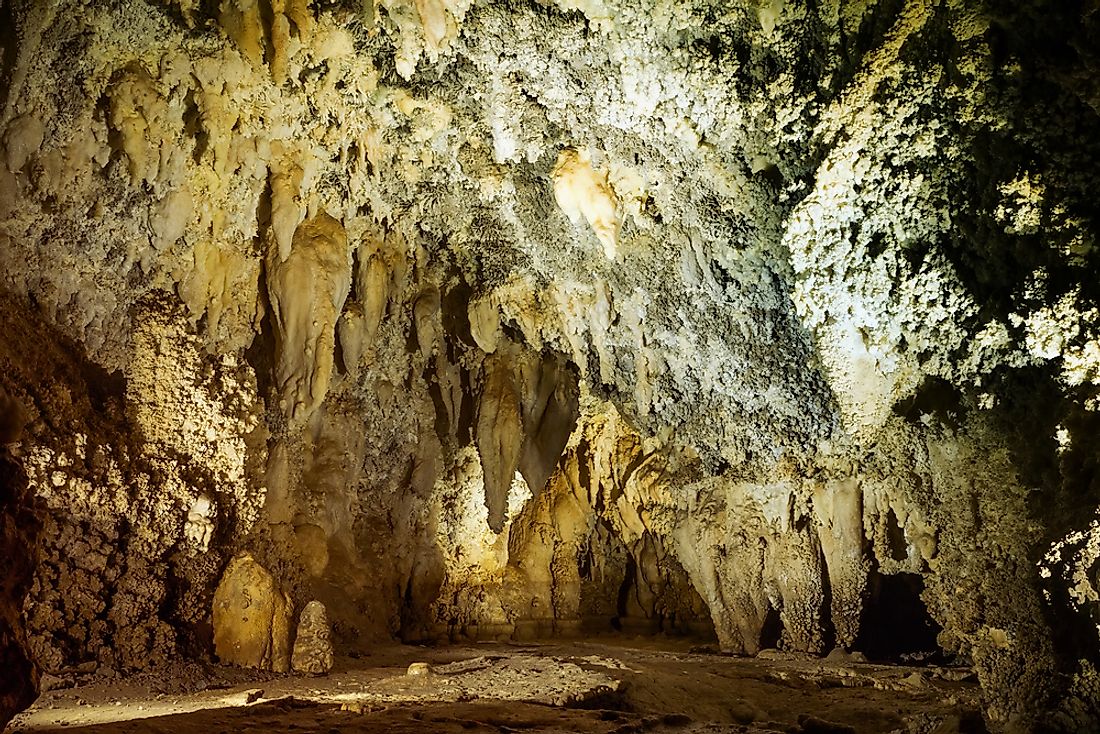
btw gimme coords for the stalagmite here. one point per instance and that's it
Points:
(839, 513)
(313, 641)
(251, 618)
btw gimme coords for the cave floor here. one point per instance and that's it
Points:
(596, 686)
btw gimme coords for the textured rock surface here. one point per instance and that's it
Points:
(19, 528)
(313, 641)
(484, 320)
(251, 618)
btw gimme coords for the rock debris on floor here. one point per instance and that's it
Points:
(589, 687)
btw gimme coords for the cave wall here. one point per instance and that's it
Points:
(20, 524)
(485, 320)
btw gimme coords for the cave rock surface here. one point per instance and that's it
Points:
(773, 321)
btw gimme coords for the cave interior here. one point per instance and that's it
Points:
(594, 366)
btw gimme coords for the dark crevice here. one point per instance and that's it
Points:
(896, 626)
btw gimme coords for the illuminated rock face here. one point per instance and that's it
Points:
(583, 192)
(476, 320)
(251, 618)
(306, 288)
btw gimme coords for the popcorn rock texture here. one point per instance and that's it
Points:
(469, 319)
(19, 528)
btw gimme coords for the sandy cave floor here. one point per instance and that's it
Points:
(596, 687)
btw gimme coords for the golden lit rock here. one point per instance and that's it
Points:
(251, 618)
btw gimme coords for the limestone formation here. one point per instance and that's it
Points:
(471, 320)
(582, 192)
(199, 526)
(19, 528)
(313, 641)
(251, 618)
(419, 669)
(307, 288)
(499, 438)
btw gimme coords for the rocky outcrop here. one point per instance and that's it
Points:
(777, 316)
(252, 618)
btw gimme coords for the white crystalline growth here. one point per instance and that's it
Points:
(199, 526)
